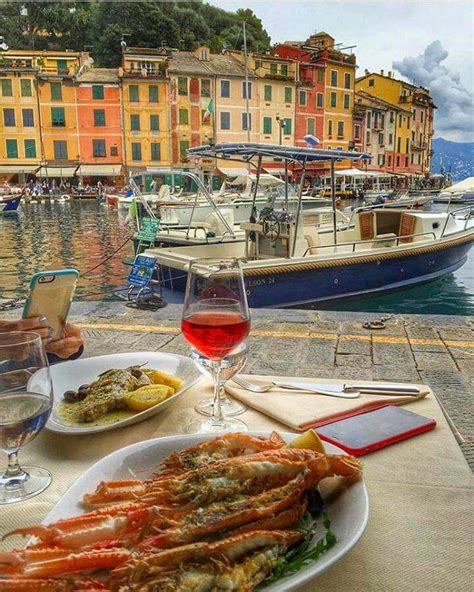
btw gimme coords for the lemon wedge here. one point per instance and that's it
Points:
(308, 440)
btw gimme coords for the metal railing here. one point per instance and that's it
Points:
(395, 239)
(453, 215)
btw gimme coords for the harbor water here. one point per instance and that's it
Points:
(84, 234)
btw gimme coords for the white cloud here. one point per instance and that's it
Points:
(455, 115)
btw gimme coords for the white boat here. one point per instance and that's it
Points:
(462, 192)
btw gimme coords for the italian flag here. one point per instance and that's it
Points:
(209, 111)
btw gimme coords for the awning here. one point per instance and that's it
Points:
(277, 170)
(99, 170)
(14, 169)
(65, 171)
(233, 171)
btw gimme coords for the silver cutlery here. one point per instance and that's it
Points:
(263, 388)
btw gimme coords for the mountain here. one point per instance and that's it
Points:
(457, 157)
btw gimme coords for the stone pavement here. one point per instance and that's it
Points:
(435, 350)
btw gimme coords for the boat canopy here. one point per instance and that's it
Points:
(462, 185)
(233, 172)
(248, 150)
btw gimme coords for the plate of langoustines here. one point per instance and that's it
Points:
(257, 511)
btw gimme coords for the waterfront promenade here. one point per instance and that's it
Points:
(435, 350)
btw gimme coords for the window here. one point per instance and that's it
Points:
(380, 139)
(333, 99)
(97, 92)
(408, 123)
(390, 139)
(329, 127)
(392, 116)
(398, 161)
(62, 67)
(407, 145)
(284, 70)
(12, 149)
(246, 121)
(136, 151)
(153, 93)
(368, 118)
(310, 126)
(183, 149)
(225, 89)
(400, 121)
(347, 80)
(412, 158)
(182, 86)
(333, 77)
(389, 160)
(267, 92)
(372, 82)
(340, 129)
(273, 69)
(155, 148)
(267, 125)
(28, 119)
(25, 86)
(367, 138)
(183, 117)
(287, 127)
(288, 94)
(98, 148)
(205, 88)
(320, 76)
(414, 114)
(30, 149)
(155, 123)
(406, 161)
(134, 121)
(421, 116)
(113, 151)
(244, 94)
(225, 120)
(412, 136)
(7, 90)
(399, 145)
(60, 150)
(9, 117)
(56, 91)
(382, 120)
(357, 132)
(99, 117)
(319, 99)
(258, 64)
(58, 118)
(376, 120)
(133, 93)
(347, 101)
(303, 96)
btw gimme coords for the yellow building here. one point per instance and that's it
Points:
(414, 130)
(146, 101)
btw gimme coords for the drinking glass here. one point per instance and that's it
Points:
(215, 322)
(231, 365)
(25, 405)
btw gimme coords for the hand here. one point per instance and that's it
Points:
(68, 345)
(33, 325)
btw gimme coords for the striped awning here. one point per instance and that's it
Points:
(65, 171)
(99, 170)
(14, 169)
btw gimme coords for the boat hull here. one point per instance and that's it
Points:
(321, 281)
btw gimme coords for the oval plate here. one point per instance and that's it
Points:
(70, 375)
(348, 513)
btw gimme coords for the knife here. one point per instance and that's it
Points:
(353, 390)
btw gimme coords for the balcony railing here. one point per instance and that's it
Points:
(145, 73)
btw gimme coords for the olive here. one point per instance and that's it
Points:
(70, 396)
(83, 389)
(136, 372)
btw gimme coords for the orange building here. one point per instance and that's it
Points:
(100, 125)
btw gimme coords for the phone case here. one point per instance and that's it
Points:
(429, 425)
(51, 299)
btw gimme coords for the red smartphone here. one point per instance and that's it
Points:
(367, 432)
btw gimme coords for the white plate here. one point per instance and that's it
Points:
(348, 514)
(70, 375)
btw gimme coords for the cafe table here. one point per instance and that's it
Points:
(420, 531)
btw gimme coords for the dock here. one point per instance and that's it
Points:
(434, 350)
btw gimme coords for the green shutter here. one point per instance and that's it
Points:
(183, 117)
(155, 151)
(154, 123)
(205, 88)
(267, 125)
(333, 99)
(30, 149)
(319, 99)
(183, 148)
(273, 68)
(62, 66)
(153, 94)
(99, 117)
(134, 121)
(7, 90)
(133, 93)
(287, 128)
(12, 149)
(284, 70)
(288, 94)
(56, 91)
(25, 85)
(267, 90)
(347, 101)
(136, 151)
(182, 86)
(97, 91)
(311, 126)
(57, 117)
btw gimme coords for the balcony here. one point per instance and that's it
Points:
(159, 72)
(418, 147)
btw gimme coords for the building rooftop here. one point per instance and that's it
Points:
(187, 62)
(99, 75)
(379, 102)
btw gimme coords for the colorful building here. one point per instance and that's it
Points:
(99, 114)
(413, 133)
(145, 101)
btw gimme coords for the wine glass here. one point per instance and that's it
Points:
(215, 322)
(232, 363)
(25, 405)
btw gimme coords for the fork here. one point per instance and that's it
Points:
(263, 388)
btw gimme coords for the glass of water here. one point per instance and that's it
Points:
(232, 363)
(26, 398)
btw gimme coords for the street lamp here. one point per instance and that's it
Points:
(281, 124)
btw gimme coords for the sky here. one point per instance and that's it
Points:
(388, 31)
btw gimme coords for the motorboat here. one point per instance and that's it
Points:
(403, 199)
(288, 261)
(9, 205)
(462, 192)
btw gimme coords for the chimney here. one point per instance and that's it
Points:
(366, 72)
(389, 73)
(381, 72)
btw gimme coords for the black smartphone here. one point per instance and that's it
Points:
(367, 432)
